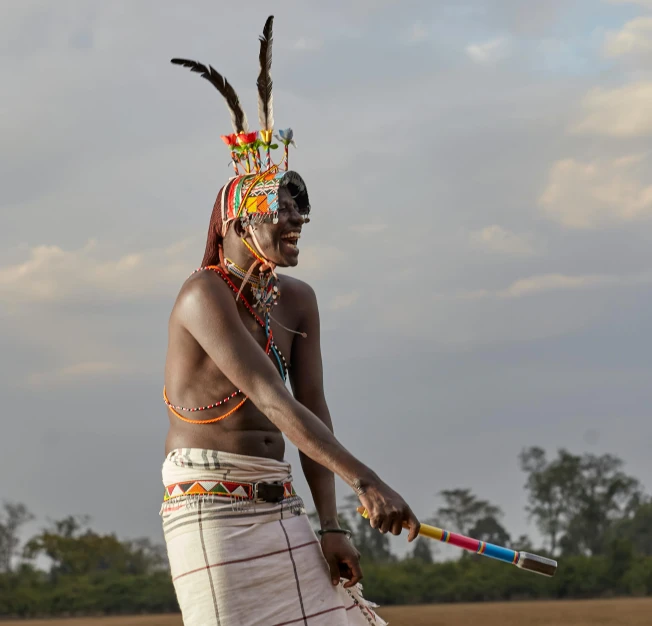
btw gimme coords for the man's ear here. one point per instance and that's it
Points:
(239, 228)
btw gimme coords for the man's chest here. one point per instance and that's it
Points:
(278, 324)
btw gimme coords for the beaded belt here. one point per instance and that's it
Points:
(260, 492)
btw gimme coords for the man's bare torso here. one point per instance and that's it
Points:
(192, 380)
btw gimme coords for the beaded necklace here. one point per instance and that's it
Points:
(280, 359)
(264, 287)
(270, 347)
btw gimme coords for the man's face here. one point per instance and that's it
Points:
(278, 242)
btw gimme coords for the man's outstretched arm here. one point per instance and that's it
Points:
(308, 387)
(307, 382)
(207, 310)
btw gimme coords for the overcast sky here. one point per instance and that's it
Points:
(481, 181)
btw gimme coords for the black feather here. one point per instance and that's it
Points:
(238, 117)
(264, 82)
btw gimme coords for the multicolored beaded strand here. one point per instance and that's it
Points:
(204, 408)
(209, 421)
(265, 291)
(271, 346)
(283, 366)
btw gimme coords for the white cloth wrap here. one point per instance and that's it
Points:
(254, 565)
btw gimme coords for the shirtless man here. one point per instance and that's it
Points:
(240, 546)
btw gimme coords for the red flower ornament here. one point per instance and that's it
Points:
(230, 140)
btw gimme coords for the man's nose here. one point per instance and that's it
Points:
(296, 217)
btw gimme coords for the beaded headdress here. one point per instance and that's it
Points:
(251, 195)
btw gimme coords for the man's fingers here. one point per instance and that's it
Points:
(386, 524)
(397, 527)
(356, 573)
(345, 571)
(414, 526)
(334, 567)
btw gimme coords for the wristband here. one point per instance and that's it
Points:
(340, 531)
(358, 488)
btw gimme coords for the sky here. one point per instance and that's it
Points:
(481, 181)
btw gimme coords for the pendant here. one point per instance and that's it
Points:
(266, 292)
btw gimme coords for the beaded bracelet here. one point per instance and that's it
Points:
(341, 531)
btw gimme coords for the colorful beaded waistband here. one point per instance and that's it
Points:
(225, 489)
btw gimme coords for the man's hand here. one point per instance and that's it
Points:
(342, 558)
(387, 511)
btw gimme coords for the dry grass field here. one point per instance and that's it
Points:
(636, 612)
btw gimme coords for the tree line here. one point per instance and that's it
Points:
(593, 517)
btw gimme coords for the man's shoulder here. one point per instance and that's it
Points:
(298, 288)
(200, 280)
(199, 287)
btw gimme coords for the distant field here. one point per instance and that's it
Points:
(635, 612)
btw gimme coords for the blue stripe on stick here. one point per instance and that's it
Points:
(500, 553)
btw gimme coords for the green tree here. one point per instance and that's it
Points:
(552, 486)
(75, 550)
(342, 519)
(145, 556)
(576, 500)
(372, 544)
(606, 495)
(422, 551)
(463, 510)
(524, 544)
(637, 528)
(489, 529)
(13, 517)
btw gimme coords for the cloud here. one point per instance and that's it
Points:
(545, 283)
(316, 262)
(344, 301)
(622, 112)
(642, 3)
(501, 241)
(73, 373)
(136, 161)
(599, 193)
(489, 52)
(52, 274)
(635, 38)
(305, 43)
(553, 282)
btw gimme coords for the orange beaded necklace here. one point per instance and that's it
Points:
(271, 347)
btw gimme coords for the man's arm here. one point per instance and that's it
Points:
(207, 309)
(306, 377)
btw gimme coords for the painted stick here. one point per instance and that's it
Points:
(523, 560)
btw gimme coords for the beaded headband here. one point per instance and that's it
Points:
(252, 194)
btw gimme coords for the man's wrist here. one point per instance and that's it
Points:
(335, 531)
(330, 523)
(364, 482)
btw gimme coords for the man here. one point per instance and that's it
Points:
(240, 546)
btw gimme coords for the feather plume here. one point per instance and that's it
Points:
(238, 116)
(264, 82)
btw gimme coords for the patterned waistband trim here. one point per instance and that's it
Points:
(219, 488)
